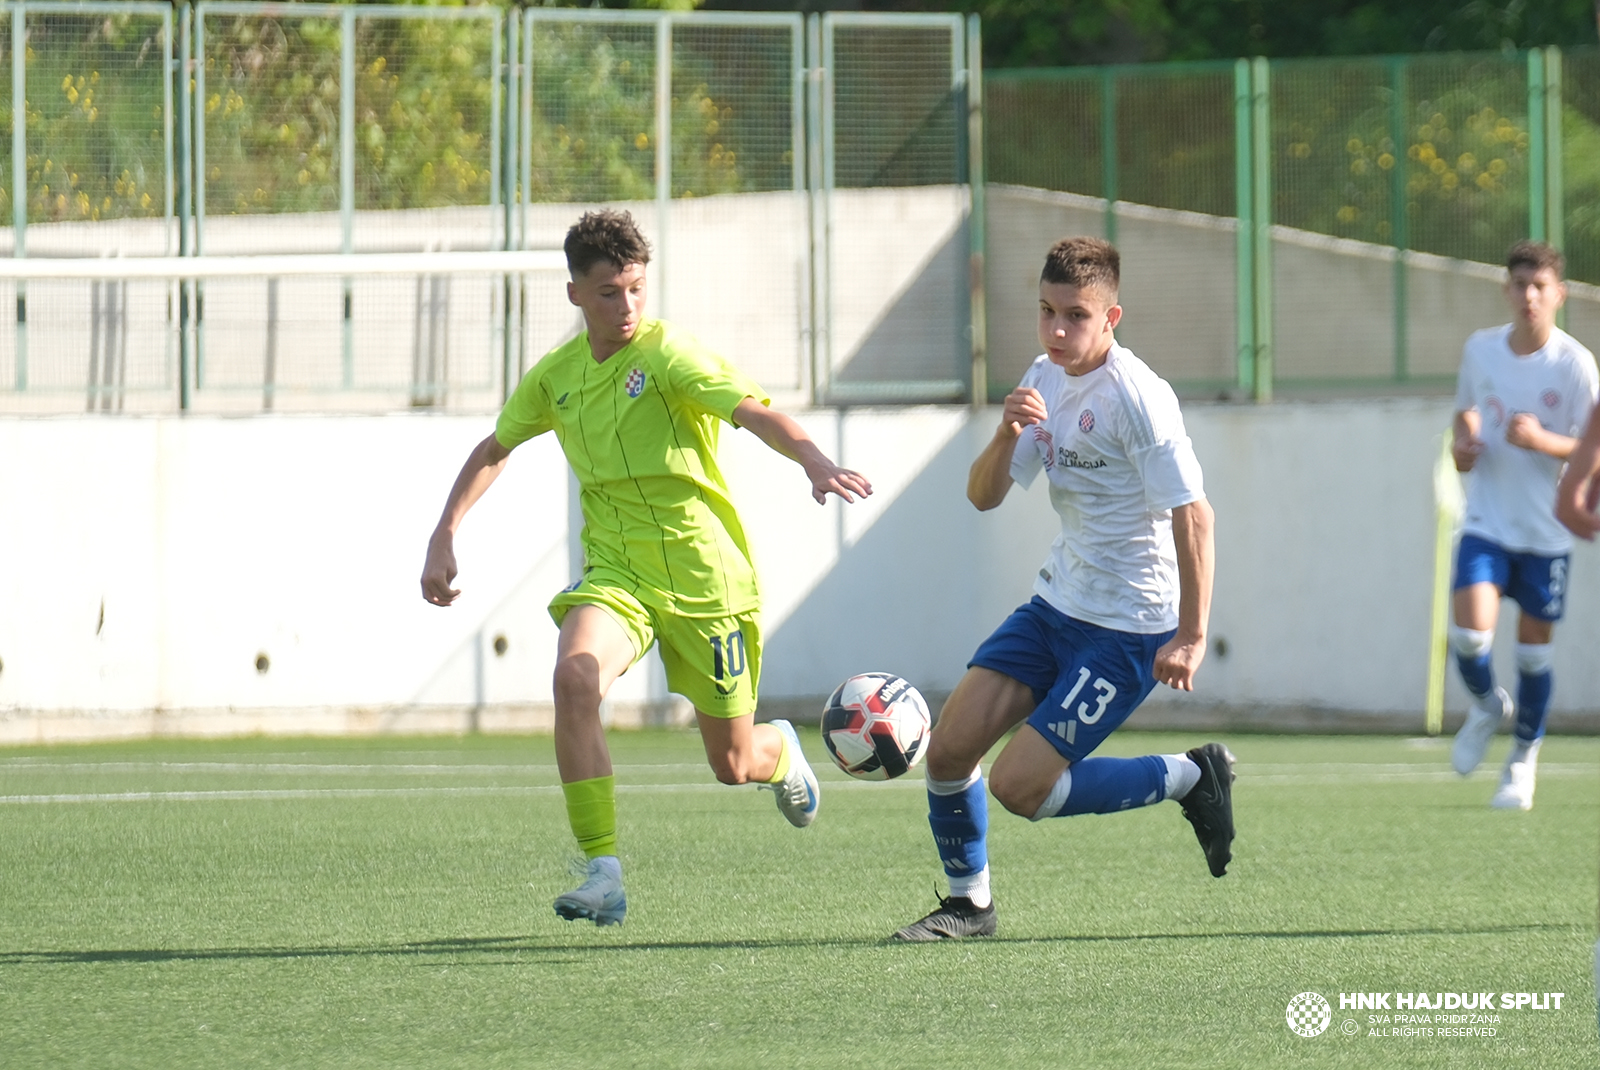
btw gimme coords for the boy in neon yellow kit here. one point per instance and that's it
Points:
(635, 404)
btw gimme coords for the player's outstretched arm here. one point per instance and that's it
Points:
(484, 465)
(1466, 445)
(1179, 658)
(1578, 493)
(989, 479)
(785, 436)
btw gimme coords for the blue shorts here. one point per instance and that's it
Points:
(1086, 679)
(1537, 583)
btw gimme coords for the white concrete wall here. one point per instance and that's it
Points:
(151, 560)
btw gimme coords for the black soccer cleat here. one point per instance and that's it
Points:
(1209, 805)
(956, 918)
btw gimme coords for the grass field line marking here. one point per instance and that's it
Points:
(1265, 768)
(225, 794)
(1552, 771)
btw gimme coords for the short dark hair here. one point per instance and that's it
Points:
(1084, 262)
(609, 234)
(1537, 255)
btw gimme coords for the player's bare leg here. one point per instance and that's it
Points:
(1022, 777)
(768, 755)
(1476, 608)
(739, 750)
(984, 705)
(592, 652)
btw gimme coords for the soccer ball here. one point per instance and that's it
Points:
(875, 726)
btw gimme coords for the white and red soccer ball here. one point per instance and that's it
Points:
(875, 726)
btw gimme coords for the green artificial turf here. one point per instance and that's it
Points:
(386, 903)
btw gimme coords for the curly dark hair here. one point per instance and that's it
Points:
(1537, 255)
(609, 234)
(1084, 262)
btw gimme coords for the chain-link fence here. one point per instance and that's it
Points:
(804, 182)
(1299, 225)
(809, 183)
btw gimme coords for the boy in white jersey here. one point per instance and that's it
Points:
(1121, 604)
(1525, 392)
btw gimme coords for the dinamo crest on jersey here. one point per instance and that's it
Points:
(635, 384)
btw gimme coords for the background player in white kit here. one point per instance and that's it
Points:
(1121, 604)
(1526, 390)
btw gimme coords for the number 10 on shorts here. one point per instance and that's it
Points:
(1104, 692)
(727, 660)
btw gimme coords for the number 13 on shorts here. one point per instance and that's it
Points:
(1103, 692)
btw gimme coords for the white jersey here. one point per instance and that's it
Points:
(1512, 491)
(1119, 461)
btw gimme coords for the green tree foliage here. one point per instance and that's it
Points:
(1056, 33)
(423, 102)
(95, 144)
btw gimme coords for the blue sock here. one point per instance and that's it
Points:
(1476, 673)
(1533, 702)
(1107, 785)
(960, 824)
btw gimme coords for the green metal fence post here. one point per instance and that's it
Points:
(1108, 148)
(347, 179)
(663, 279)
(1555, 193)
(819, 184)
(1399, 216)
(506, 129)
(1538, 181)
(1244, 236)
(19, 177)
(186, 199)
(976, 235)
(1261, 219)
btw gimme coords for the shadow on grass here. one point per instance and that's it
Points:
(500, 945)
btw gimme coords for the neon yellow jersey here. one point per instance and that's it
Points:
(640, 432)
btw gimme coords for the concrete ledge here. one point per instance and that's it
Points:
(40, 727)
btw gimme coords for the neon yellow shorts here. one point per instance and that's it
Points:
(714, 662)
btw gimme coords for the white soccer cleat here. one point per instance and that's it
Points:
(799, 794)
(1516, 783)
(600, 898)
(1484, 718)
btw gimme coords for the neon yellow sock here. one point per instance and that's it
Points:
(782, 768)
(592, 813)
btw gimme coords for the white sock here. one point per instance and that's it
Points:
(952, 787)
(1182, 774)
(1057, 798)
(974, 887)
(1521, 752)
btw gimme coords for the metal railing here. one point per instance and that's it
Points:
(805, 182)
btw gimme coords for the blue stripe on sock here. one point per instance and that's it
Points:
(960, 824)
(1107, 785)
(1533, 702)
